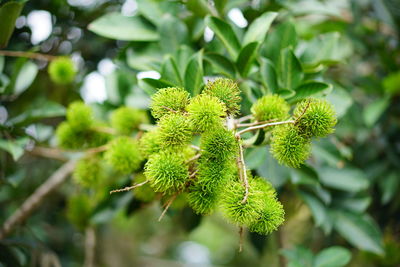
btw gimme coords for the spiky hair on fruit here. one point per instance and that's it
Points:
(237, 211)
(167, 171)
(174, 130)
(169, 100)
(80, 116)
(219, 144)
(203, 200)
(227, 91)
(270, 107)
(206, 112)
(289, 147)
(123, 154)
(62, 70)
(88, 171)
(126, 119)
(315, 117)
(69, 138)
(270, 218)
(150, 143)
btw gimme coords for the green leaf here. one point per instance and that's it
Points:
(391, 83)
(360, 231)
(317, 208)
(116, 26)
(9, 13)
(374, 111)
(194, 74)
(2, 61)
(289, 70)
(14, 147)
(170, 72)
(173, 33)
(119, 85)
(246, 58)
(199, 7)
(348, 179)
(4, 82)
(389, 186)
(25, 77)
(284, 36)
(255, 157)
(310, 88)
(182, 56)
(221, 64)
(332, 257)
(354, 204)
(340, 99)
(298, 256)
(268, 76)
(259, 28)
(153, 10)
(150, 86)
(225, 34)
(145, 59)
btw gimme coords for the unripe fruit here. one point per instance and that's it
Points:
(271, 217)
(315, 117)
(219, 144)
(206, 113)
(169, 100)
(150, 143)
(80, 116)
(62, 70)
(125, 119)
(289, 147)
(123, 155)
(174, 130)
(167, 171)
(227, 91)
(270, 107)
(88, 172)
(203, 200)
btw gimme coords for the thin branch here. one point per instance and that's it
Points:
(304, 111)
(32, 55)
(128, 188)
(106, 130)
(95, 150)
(193, 158)
(253, 123)
(245, 118)
(48, 152)
(195, 147)
(241, 238)
(263, 126)
(169, 109)
(90, 247)
(167, 206)
(34, 200)
(244, 174)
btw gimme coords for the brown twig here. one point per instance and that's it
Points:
(245, 118)
(95, 150)
(263, 126)
(128, 188)
(304, 111)
(32, 55)
(167, 206)
(193, 158)
(253, 123)
(48, 152)
(34, 200)
(242, 169)
(241, 238)
(169, 109)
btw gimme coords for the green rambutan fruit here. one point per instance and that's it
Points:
(219, 144)
(127, 119)
(227, 91)
(232, 203)
(169, 100)
(62, 70)
(270, 107)
(150, 143)
(271, 217)
(289, 147)
(123, 155)
(206, 112)
(202, 199)
(144, 193)
(264, 186)
(88, 172)
(167, 171)
(315, 117)
(174, 130)
(79, 210)
(80, 116)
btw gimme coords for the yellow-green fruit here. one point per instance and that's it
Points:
(174, 130)
(88, 172)
(219, 144)
(206, 113)
(80, 116)
(289, 147)
(227, 91)
(123, 154)
(169, 100)
(150, 143)
(62, 70)
(79, 209)
(271, 217)
(270, 107)
(125, 119)
(315, 117)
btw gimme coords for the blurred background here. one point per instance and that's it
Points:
(348, 196)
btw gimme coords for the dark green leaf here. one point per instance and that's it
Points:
(170, 72)
(348, 179)
(119, 27)
(144, 60)
(173, 33)
(284, 36)
(268, 76)
(332, 257)
(289, 69)
(259, 28)
(153, 10)
(255, 157)
(14, 147)
(150, 86)
(310, 88)
(246, 58)
(298, 256)
(9, 13)
(194, 74)
(389, 186)
(317, 208)
(221, 64)
(199, 7)
(182, 56)
(374, 111)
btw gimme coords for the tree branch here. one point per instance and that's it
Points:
(128, 188)
(263, 126)
(34, 200)
(32, 55)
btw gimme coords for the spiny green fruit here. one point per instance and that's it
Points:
(238, 212)
(167, 171)
(88, 172)
(169, 100)
(219, 144)
(265, 186)
(126, 119)
(150, 143)
(203, 199)
(315, 117)
(123, 154)
(289, 147)
(69, 138)
(79, 209)
(206, 112)
(227, 91)
(174, 130)
(270, 107)
(144, 193)
(271, 217)
(62, 70)
(80, 116)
